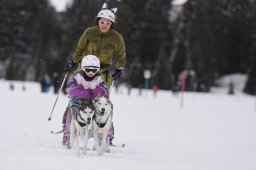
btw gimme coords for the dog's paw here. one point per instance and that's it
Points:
(78, 154)
(68, 145)
(107, 150)
(84, 152)
(100, 153)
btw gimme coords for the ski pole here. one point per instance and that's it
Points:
(111, 86)
(58, 95)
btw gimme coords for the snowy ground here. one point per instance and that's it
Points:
(211, 132)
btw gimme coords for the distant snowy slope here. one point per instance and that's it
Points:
(223, 83)
(239, 81)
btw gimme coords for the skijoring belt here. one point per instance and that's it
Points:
(105, 66)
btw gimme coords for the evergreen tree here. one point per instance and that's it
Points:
(217, 38)
(145, 27)
(80, 15)
(26, 28)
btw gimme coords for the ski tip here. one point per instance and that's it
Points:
(49, 119)
(118, 145)
(55, 133)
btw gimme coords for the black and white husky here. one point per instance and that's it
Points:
(82, 112)
(101, 123)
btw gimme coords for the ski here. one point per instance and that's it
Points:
(117, 145)
(54, 133)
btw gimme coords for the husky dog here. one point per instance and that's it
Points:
(101, 123)
(82, 112)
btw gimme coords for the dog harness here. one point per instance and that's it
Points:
(82, 124)
(101, 125)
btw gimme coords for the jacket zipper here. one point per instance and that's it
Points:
(99, 47)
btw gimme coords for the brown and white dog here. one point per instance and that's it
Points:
(101, 123)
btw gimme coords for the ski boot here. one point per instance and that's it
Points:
(65, 139)
(111, 135)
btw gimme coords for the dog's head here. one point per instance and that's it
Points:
(102, 105)
(85, 110)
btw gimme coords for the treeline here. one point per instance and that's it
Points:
(208, 38)
(215, 38)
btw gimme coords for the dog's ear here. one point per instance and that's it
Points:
(98, 95)
(106, 95)
(96, 98)
(89, 103)
(92, 107)
(84, 100)
(79, 101)
(81, 104)
(80, 108)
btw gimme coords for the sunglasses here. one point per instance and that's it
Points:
(108, 23)
(88, 70)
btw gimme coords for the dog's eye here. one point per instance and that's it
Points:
(91, 112)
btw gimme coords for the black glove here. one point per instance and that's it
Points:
(117, 74)
(70, 65)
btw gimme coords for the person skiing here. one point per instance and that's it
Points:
(104, 42)
(86, 83)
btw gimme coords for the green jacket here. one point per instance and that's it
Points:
(104, 46)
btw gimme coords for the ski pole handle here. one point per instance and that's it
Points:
(66, 75)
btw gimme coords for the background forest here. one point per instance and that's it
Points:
(207, 38)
